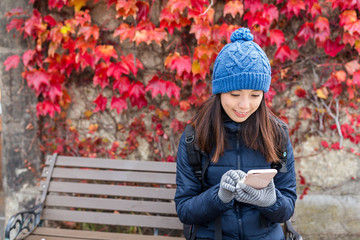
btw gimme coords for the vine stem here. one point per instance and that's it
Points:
(211, 4)
(335, 117)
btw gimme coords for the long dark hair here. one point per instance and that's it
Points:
(262, 131)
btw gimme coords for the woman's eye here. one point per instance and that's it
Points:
(257, 95)
(234, 95)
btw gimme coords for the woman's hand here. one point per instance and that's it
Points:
(264, 197)
(228, 184)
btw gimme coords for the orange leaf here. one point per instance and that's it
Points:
(234, 7)
(322, 93)
(202, 31)
(352, 66)
(124, 31)
(305, 113)
(105, 52)
(184, 105)
(78, 4)
(348, 17)
(353, 27)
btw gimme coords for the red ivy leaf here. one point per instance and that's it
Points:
(100, 102)
(101, 77)
(336, 146)
(11, 62)
(253, 5)
(132, 63)
(300, 92)
(143, 11)
(37, 79)
(47, 107)
(293, 7)
(137, 90)
(322, 29)
(177, 125)
(305, 192)
(119, 104)
(315, 10)
(172, 90)
(28, 56)
(332, 48)
(283, 53)
(50, 20)
(116, 70)
(182, 64)
(15, 23)
(56, 4)
(157, 86)
(122, 84)
(324, 144)
(306, 31)
(277, 37)
(139, 102)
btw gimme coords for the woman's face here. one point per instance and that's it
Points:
(240, 104)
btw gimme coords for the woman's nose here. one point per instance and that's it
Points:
(244, 103)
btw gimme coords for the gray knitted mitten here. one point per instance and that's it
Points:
(260, 197)
(228, 184)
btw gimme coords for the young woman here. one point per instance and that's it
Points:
(237, 132)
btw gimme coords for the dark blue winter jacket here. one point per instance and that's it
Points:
(239, 220)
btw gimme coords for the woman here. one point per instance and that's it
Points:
(237, 132)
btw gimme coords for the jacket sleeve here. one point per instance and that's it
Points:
(285, 184)
(193, 205)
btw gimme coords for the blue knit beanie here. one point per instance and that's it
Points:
(241, 64)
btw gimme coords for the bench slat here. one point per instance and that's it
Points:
(111, 204)
(106, 175)
(113, 219)
(111, 190)
(116, 164)
(58, 234)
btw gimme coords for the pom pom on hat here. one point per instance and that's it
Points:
(241, 64)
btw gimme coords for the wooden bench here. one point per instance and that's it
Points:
(100, 194)
(103, 192)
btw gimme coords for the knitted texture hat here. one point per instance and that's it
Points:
(241, 64)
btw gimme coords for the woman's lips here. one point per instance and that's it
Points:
(240, 114)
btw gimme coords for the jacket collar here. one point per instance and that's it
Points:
(230, 125)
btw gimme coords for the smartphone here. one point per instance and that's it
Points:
(259, 178)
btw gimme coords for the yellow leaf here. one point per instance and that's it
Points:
(195, 68)
(322, 93)
(78, 4)
(65, 30)
(88, 113)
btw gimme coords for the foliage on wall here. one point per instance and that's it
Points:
(313, 45)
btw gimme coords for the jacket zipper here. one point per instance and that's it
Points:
(241, 233)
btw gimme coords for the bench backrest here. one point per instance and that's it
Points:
(110, 192)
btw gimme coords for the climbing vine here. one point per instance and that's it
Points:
(313, 45)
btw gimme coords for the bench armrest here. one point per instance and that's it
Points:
(290, 233)
(23, 223)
